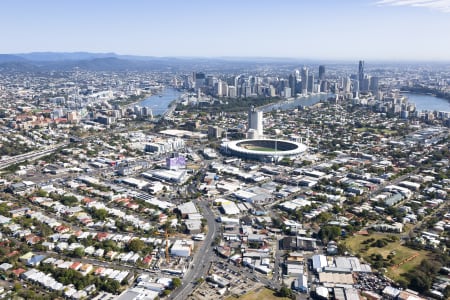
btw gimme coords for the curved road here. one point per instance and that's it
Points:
(202, 258)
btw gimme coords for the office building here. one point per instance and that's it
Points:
(218, 88)
(199, 79)
(232, 91)
(215, 132)
(287, 92)
(175, 161)
(355, 89)
(311, 83)
(374, 85)
(255, 121)
(361, 72)
(293, 83)
(322, 72)
(304, 75)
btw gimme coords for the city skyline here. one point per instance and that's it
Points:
(328, 30)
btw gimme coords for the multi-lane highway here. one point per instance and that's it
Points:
(202, 259)
(4, 163)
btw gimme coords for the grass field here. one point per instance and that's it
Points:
(259, 294)
(355, 243)
(256, 148)
(377, 130)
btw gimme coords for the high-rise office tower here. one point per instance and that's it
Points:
(255, 120)
(322, 72)
(247, 91)
(218, 88)
(356, 89)
(210, 81)
(364, 85)
(293, 84)
(199, 79)
(311, 83)
(287, 92)
(304, 75)
(374, 85)
(224, 89)
(232, 91)
(346, 85)
(361, 72)
(272, 91)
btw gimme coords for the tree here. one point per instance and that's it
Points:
(329, 232)
(69, 200)
(380, 243)
(284, 291)
(110, 286)
(419, 281)
(430, 267)
(100, 214)
(324, 217)
(41, 193)
(342, 249)
(176, 283)
(447, 292)
(17, 286)
(78, 252)
(276, 222)
(200, 280)
(135, 245)
(109, 245)
(72, 239)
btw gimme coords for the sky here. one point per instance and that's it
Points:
(306, 29)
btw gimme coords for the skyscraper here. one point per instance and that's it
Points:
(347, 84)
(293, 83)
(356, 89)
(311, 83)
(304, 76)
(199, 79)
(374, 85)
(361, 72)
(287, 92)
(255, 120)
(322, 72)
(364, 85)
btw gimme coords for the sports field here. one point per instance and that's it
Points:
(256, 148)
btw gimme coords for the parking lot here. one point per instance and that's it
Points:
(238, 284)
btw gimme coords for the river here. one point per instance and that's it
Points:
(428, 102)
(422, 102)
(294, 103)
(159, 103)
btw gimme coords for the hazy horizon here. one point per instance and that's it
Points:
(240, 58)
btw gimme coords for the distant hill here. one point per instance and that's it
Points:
(7, 58)
(46, 61)
(86, 61)
(65, 61)
(63, 56)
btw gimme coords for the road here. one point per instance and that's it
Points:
(277, 270)
(271, 283)
(30, 156)
(202, 258)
